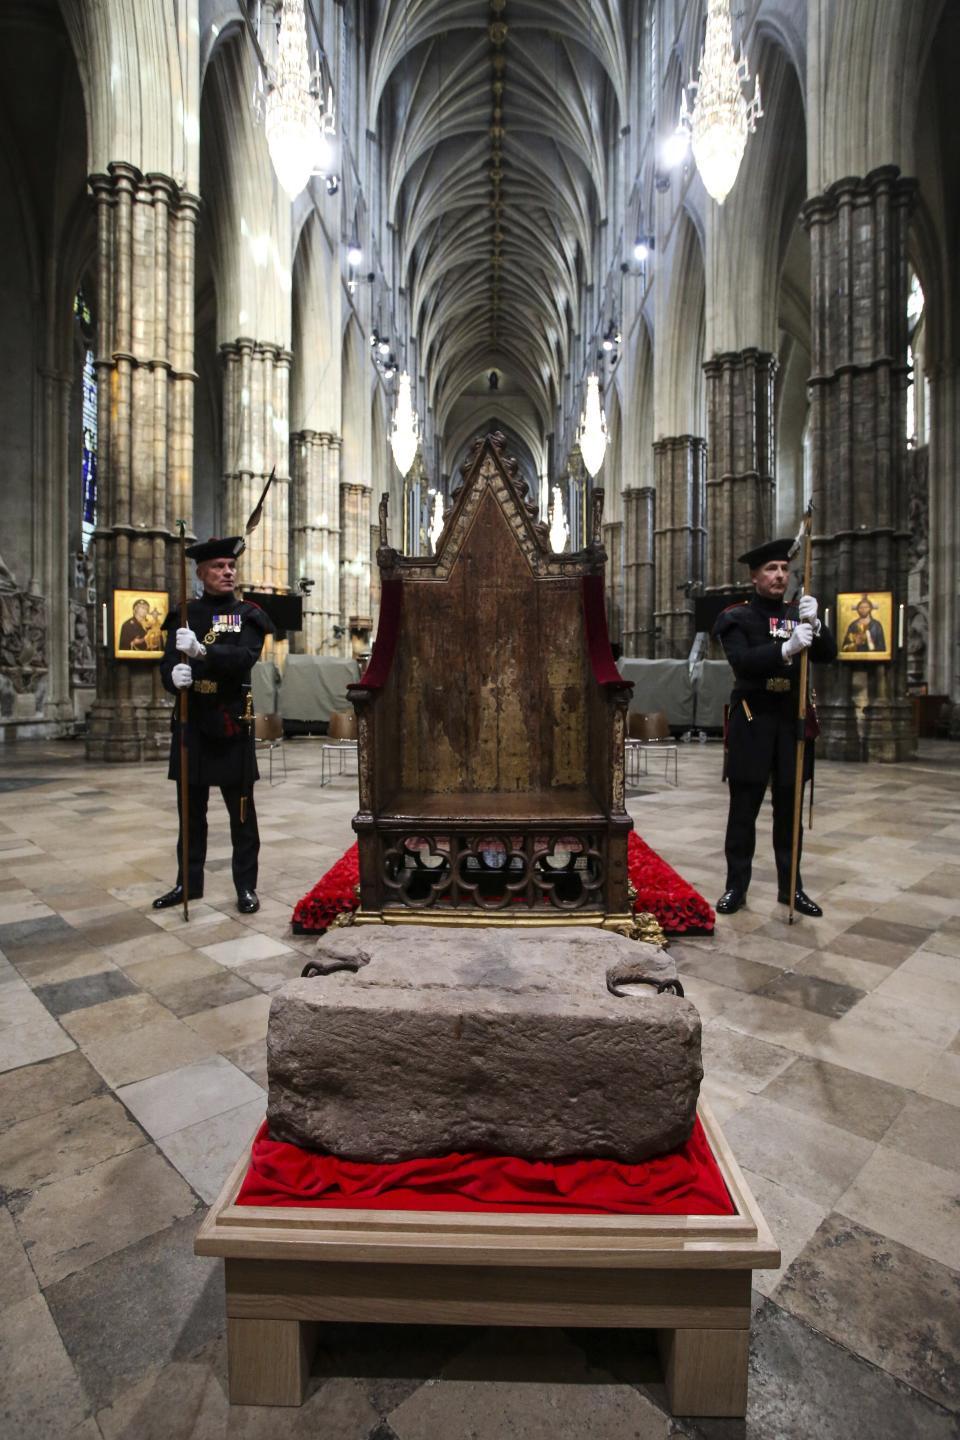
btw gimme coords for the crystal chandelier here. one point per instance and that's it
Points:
(405, 435)
(719, 118)
(295, 123)
(592, 435)
(559, 529)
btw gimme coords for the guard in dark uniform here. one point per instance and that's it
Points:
(763, 639)
(223, 643)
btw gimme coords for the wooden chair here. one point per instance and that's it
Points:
(340, 741)
(492, 722)
(268, 736)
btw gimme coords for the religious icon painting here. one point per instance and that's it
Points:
(864, 625)
(137, 618)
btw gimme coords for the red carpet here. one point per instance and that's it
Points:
(679, 909)
(687, 1181)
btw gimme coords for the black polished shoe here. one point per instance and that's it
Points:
(247, 902)
(730, 902)
(173, 897)
(802, 904)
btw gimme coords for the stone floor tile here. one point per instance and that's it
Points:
(67, 995)
(930, 1130)
(116, 929)
(64, 1142)
(187, 1400)
(802, 1386)
(934, 966)
(883, 1301)
(40, 1395)
(153, 946)
(908, 1200)
(72, 963)
(942, 1078)
(163, 971)
(34, 934)
(251, 947)
(17, 1278)
(892, 932)
(74, 1222)
(33, 1090)
(900, 1018)
(230, 1026)
(31, 1035)
(862, 975)
(252, 1060)
(205, 993)
(850, 1101)
(534, 1385)
(777, 1023)
(793, 1220)
(724, 1099)
(136, 1310)
(148, 1050)
(812, 992)
(935, 992)
(739, 1059)
(177, 1098)
(269, 975)
(114, 1017)
(863, 1047)
(711, 1000)
(723, 969)
(28, 908)
(867, 947)
(800, 1152)
(205, 1153)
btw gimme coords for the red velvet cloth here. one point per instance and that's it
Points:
(687, 1181)
(602, 663)
(679, 908)
(388, 628)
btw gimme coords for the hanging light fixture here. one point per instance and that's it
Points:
(719, 118)
(436, 522)
(295, 124)
(405, 435)
(592, 435)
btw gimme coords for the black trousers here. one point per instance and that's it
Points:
(741, 839)
(244, 837)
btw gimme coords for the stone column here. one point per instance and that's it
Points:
(679, 464)
(858, 234)
(638, 506)
(256, 387)
(355, 522)
(943, 646)
(315, 534)
(741, 453)
(613, 544)
(51, 519)
(146, 227)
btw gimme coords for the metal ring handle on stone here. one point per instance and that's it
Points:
(662, 987)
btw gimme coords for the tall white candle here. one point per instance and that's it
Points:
(900, 626)
(104, 642)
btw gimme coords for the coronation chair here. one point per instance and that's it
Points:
(491, 723)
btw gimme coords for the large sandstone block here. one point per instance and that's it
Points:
(503, 1040)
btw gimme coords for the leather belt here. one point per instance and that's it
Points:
(779, 685)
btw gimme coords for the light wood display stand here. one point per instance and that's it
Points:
(688, 1277)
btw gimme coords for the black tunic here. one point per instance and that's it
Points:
(216, 735)
(752, 635)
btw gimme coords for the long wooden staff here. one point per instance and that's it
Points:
(804, 539)
(184, 710)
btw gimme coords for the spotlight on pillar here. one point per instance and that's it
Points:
(405, 435)
(354, 252)
(592, 435)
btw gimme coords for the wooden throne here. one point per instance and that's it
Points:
(491, 723)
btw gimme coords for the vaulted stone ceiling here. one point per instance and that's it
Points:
(494, 113)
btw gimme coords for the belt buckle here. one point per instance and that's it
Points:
(779, 685)
(205, 687)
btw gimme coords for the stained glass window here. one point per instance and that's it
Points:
(88, 422)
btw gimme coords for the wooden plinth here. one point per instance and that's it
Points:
(686, 1276)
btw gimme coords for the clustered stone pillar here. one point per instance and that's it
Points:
(146, 229)
(638, 510)
(355, 512)
(613, 544)
(858, 238)
(943, 646)
(679, 463)
(256, 388)
(741, 457)
(315, 534)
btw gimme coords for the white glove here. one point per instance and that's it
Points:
(188, 644)
(800, 638)
(182, 676)
(808, 608)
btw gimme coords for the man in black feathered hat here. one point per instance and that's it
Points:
(212, 657)
(763, 638)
